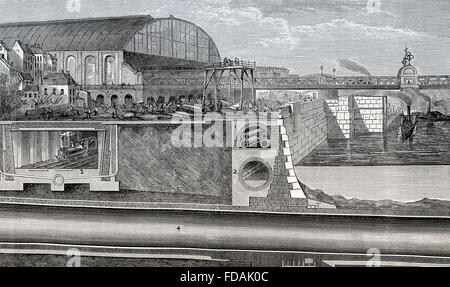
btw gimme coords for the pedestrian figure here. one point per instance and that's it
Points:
(72, 111)
(88, 113)
(95, 112)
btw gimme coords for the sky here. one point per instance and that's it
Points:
(301, 35)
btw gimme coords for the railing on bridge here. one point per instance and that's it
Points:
(174, 81)
(109, 87)
(328, 82)
(229, 63)
(358, 82)
(286, 83)
(363, 81)
(434, 81)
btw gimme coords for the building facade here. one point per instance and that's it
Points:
(44, 63)
(271, 72)
(107, 57)
(22, 58)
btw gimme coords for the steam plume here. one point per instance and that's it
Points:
(353, 66)
(402, 96)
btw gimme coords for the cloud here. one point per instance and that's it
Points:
(283, 33)
(361, 30)
(286, 42)
(238, 17)
(374, 7)
(271, 7)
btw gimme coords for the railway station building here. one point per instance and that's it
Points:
(109, 58)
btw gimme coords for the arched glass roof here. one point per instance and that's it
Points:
(95, 34)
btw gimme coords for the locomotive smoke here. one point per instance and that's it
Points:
(353, 66)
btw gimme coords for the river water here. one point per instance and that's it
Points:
(380, 166)
(429, 146)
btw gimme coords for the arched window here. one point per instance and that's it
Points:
(128, 101)
(110, 70)
(172, 100)
(114, 101)
(100, 100)
(90, 70)
(71, 67)
(160, 100)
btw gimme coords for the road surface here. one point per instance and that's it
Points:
(224, 230)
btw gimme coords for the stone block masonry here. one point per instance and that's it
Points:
(352, 115)
(306, 127)
(285, 192)
(281, 196)
(338, 118)
(368, 114)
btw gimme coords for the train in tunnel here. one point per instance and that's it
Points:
(74, 145)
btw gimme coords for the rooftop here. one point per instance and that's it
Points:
(58, 79)
(27, 76)
(25, 47)
(92, 34)
(31, 88)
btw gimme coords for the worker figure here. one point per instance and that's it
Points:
(219, 107)
(95, 112)
(88, 113)
(146, 108)
(44, 113)
(114, 113)
(49, 113)
(225, 62)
